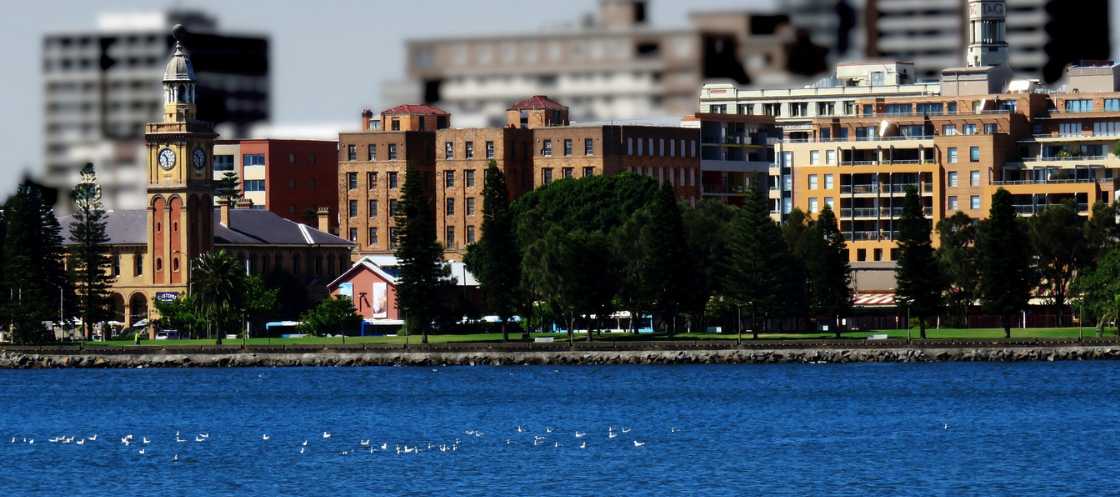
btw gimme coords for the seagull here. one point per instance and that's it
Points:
(345, 453)
(204, 435)
(408, 449)
(32, 441)
(583, 445)
(175, 459)
(557, 444)
(93, 438)
(305, 442)
(612, 435)
(626, 430)
(470, 432)
(326, 435)
(129, 437)
(385, 446)
(127, 443)
(365, 443)
(199, 439)
(146, 441)
(510, 442)
(81, 442)
(580, 435)
(478, 434)
(301, 450)
(947, 426)
(13, 439)
(180, 440)
(548, 430)
(638, 444)
(672, 430)
(519, 430)
(141, 451)
(265, 437)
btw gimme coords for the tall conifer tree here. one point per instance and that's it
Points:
(495, 259)
(831, 273)
(917, 273)
(667, 276)
(1005, 281)
(424, 280)
(90, 252)
(34, 275)
(758, 254)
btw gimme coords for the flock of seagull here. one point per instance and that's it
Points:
(363, 445)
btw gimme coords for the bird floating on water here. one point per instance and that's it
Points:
(141, 451)
(548, 430)
(301, 450)
(146, 441)
(638, 444)
(199, 439)
(265, 437)
(612, 435)
(385, 446)
(326, 435)
(580, 435)
(93, 438)
(947, 426)
(364, 443)
(175, 459)
(626, 430)
(305, 442)
(583, 445)
(81, 442)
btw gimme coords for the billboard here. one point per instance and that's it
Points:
(380, 300)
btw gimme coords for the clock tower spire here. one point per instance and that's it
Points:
(180, 178)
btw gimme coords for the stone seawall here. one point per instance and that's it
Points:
(399, 356)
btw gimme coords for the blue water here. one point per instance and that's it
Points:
(858, 429)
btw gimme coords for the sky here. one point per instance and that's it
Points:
(328, 57)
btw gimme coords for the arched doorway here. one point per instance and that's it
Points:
(117, 315)
(137, 309)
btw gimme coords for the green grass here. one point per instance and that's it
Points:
(943, 333)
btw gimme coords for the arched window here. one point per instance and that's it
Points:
(279, 265)
(182, 93)
(175, 264)
(295, 266)
(159, 264)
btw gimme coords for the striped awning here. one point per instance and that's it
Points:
(874, 300)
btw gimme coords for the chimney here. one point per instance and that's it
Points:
(324, 219)
(367, 115)
(244, 204)
(223, 205)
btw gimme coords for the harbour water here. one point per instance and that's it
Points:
(1018, 429)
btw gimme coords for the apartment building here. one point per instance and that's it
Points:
(538, 145)
(286, 177)
(98, 94)
(735, 151)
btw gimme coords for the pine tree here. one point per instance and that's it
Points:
(229, 187)
(918, 277)
(495, 259)
(1005, 282)
(758, 254)
(424, 281)
(959, 259)
(667, 275)
(90, 252)
(34, 274)
(832, 275)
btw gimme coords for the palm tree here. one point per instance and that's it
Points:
(216, 284)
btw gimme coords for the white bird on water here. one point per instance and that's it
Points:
(175, 459)
(199, 439)
(583, 445)
(326, 435)
(612, 435)
(81, 442)
(385, 446)
(580, 435)
(204, 435)
(947, 426)
(141, 451)
(265, 437)
(146, 441)
(364, 443)
(301, 450)
(638, 444)
(548, 430)
(93, 438)
(626, 430)
(305, 443)
(519, 430)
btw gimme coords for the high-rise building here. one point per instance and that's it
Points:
(98, 93)
(613, 66)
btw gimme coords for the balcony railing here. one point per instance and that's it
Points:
(858, 139)
(1052, 181)
(1064, 159)
(859, 189)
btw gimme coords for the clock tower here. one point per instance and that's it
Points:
(180, 179)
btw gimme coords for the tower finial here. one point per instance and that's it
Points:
(178, 31)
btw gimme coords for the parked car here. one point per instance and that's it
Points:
(167, 335)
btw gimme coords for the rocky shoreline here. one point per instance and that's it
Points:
(332, 357)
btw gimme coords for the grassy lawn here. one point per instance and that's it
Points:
(944, 333)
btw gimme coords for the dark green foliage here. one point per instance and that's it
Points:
(180, 314)
(1098, 291)
(424, 281)
(596, 203)
(568, 269)
(668, 277)
(626, 251)
(34, 277)
(1005, 281)
(495, 259)
(1101, 232)
(918, 278)
(831, 276)
(89, 255)
(959, 260)
(291, 294)
(229, 187)
(218, 287)
(332, 315)
(759, 255)
(1058, 240)
(707, 230)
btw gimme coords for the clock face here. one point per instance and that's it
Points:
(199, 158)
(167, 158)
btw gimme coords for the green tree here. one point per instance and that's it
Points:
(495, 259)
(1005, 281)
(568, 270)
(959, 260)
(331, 315)
(803, 238)
(180, 314)
(229, 187)
(626, 252)
(33, 269)
(1058, 240)
(218, 287)
(1101, 234)
(90, 251)
(1098, 291)
(259, 299)
(424, 281)
(708, 233)
(758, 256)
(919, 283)
(668, 278)
(832, 275)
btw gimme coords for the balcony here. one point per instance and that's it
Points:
(901, 188)
(1064, 158)
(850, 212)
(859, 189)
(1054, 181)
(871, 236)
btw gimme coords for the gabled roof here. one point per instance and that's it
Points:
(250, 227)
(416, 109)
(538, 102)
(385, 266)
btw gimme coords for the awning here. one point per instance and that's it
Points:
(874, 300)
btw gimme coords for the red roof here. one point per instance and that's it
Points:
(538, 102)
(416, 109)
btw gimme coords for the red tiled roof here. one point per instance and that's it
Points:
(416, 109)
(538, 102)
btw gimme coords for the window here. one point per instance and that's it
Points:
(450, 237)
(968, 129)
(372, 236)
(798, 109)
(449, 179)
(868, 109)
(952, 179)
(546, 148)
(974, 178)
(448, 150)
(254, 185)
(588, 172)
(372, 208)
(974, 154)
(899, 109)
(1079, 106)
(223, 163)
(396, 124)
(952, 108)
(352, 152)
(353, 208)
(952, 155)
(814, 157)
(567, 147)
(312, 158)
(949, 129)
(1069, 129)
(952, 204)
(450, 209)
(252, 160)
(392, 151)
(772, 110)
(468, 150)
(312, 184)
(392, 181)
(991, 129)
(974, 202)
(828, 182)
(849, 107)
(813, 207)
(812, 182)
(566, 173)
(830, 157)
(116, 265)
(470, 235)
(392, 207)
(352, 181)
(138, 261)
(930, 109)
(371, 180)
(828, 202)
(470, 206)
(373, 152)
(588, 146)
(546, 175)
(489, 150)
(826, 108)
(1107, 128)
(718, 109)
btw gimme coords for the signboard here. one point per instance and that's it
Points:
(987, 10)
(346, 289)
(380, 300)
(166, 296)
